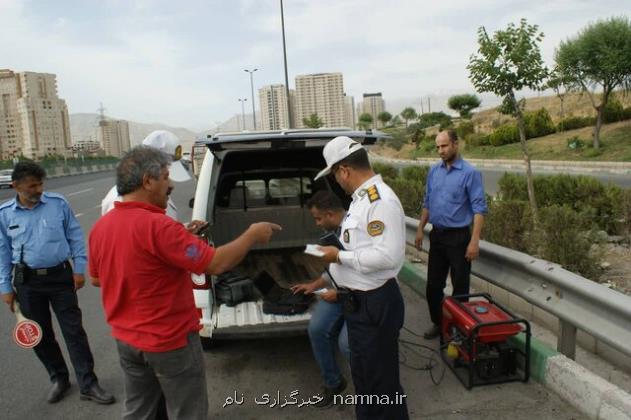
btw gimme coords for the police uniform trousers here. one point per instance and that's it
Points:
(447, 251)
(56, 289)
(373, 334)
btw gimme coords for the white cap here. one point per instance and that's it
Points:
(336, 150)
(169, 144)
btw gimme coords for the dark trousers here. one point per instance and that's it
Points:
(373, 334)
(57, 291)
(447, 249)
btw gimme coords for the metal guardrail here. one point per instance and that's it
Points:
(576, 301)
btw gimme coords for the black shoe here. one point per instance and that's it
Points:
(432, 333)
(328, 394)
(98, 395)
(57, 391)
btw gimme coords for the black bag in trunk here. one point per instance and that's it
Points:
(279, 301)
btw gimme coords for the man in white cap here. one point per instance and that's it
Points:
(168, 143)
(373, 236)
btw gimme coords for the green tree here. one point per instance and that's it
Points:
(417, 133)
(384, 117)
(313, 121)
(435, 118)
(395, 121)
(561, 84)
(408, 114)
(365, 121)
(464, 104)
(505, 63)
(598, 58)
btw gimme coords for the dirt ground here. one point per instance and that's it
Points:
(618, 274)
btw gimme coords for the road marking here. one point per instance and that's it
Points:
(78, 215)
(79, 192)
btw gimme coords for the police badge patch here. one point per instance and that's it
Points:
(375, 228)
(347, 236)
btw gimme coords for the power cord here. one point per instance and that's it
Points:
(433, 359)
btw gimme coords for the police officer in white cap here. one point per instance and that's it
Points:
(373, 236)
(168, 143)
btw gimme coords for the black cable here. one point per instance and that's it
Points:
(432, 362)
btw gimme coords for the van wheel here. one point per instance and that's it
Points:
(208, 343)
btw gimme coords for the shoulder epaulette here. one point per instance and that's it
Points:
(55, 195)
(6, 204)
(373, 193)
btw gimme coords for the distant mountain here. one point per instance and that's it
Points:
(83, 126)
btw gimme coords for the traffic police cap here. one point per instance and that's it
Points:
(169, 143)
(336, 150)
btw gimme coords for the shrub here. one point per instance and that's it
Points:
(507, 223)
(478, 139)
(572, 123)
(416, 174)
(613, 111)
(561, 238)
(504, 134)
(538, 124)
(465, 129)
(575, 143)
(385, 170)
(410, 193)
(626, 114)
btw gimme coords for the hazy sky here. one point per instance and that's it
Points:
(181, 62)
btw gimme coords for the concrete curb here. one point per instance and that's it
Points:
(83, 171)
(584, 390)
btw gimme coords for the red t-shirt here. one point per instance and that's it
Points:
(143, 261)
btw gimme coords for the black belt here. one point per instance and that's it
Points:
(47, 271)
(363, 292)
(450, 229)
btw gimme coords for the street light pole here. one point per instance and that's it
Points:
(252, 89)
(282, 23)
(243, 100)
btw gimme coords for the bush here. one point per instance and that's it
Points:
(561, 237)
(410, 193)
(386, 171)
(478, 139)
(572, 123)
(538, 124)
(626, 114)
(507, 223)
(613, 111)
(575, 143)
(504, 134)
(465, 129)
(416, 174)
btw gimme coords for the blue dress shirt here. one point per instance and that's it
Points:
(453, 195)
(49, 232)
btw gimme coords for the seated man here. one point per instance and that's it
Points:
(327, 328)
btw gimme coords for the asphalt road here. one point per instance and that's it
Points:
(249, 368)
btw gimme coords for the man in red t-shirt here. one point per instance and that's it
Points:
(142, 260)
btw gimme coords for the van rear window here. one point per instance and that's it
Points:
(276, 191)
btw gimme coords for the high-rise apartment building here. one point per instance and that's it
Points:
(33, 119)
(373, 104)
(273, 103)
(113, 135)
(321, 94)
(349, 111)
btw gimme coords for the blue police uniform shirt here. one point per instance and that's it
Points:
(49, 232)
(454, 195)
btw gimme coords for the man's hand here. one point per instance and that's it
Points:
(330, 253)
(79, 280)
(330, 296)
(473, 250)
(419, 237)
(262, 231)
(195, 226)
(9, 299)
(306, 288)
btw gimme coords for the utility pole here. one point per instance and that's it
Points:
(429, 106)
(282, 23)
(422, 112)
(243, 101)
(252, 89)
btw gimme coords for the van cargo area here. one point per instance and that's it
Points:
(287, 267)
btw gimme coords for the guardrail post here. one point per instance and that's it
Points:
(566, 342)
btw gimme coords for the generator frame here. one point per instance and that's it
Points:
(466, 373)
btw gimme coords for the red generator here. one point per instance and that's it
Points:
(478, 341)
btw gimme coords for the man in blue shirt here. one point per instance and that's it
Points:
(40, 230)
(454, 199)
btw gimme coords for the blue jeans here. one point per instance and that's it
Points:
(327, 331)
